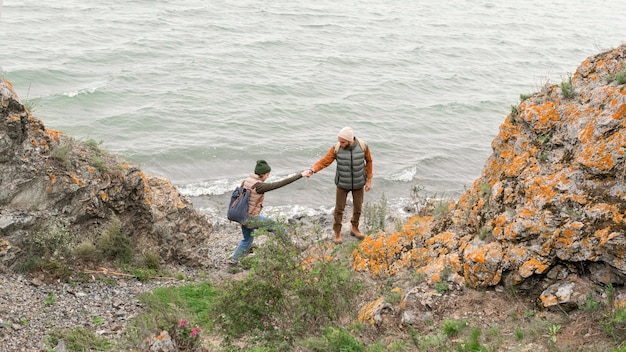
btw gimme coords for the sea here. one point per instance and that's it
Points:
(198, 90)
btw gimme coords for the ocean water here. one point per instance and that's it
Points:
(197, 91)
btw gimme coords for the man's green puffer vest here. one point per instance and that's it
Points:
(351, 172)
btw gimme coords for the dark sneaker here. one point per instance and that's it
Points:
(233, 262)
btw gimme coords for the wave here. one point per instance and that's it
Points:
(75, 93)
(207, 188)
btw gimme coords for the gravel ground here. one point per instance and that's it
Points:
(30, 307)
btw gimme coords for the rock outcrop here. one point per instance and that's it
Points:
(547, 216)
(48, 180)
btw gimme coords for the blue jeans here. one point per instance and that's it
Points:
(252, 223)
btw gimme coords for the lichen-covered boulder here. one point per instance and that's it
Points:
(551, 195)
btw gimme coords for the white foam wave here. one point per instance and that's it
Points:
(204, 188)
(81, 91)
(406, 175)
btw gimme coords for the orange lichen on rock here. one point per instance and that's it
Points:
(482, 264)
(542, 116)
(380, 255)
(532, 266)
(386, 254)
(53, 134)
(567, 235)
(367, 312)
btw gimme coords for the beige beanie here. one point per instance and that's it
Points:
(346, 133)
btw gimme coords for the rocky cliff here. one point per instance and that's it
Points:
(547, 214)
(53, 184)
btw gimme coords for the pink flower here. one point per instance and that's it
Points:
(183, 322)
(194, 332)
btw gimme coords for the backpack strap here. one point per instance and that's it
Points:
(254, 186)
(361, 143)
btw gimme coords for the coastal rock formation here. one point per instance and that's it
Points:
(547, 215)
(69, 189)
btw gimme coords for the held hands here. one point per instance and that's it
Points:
(307, 173)
(368, 185)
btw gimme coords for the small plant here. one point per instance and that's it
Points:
(567, 88)
(113, 243)
(453, 327)
(51, 299)
(614, 323)
(591, 303)
(544, 138)
(393, 295)
(619, 77)
(108, 280)
(24, 322)
(441, 287)
(441, 207)
(528, 314)
(543, 157)
(445, 273)
(62, 151)
(485, 189)
(86, 250)
(519, 334)
(485, 233)
(185, 336)
(374, 216)
(514, 110)
(552, 331)
(523, 97)
(98, 163)
(143, 274)
(152, 261)
(97, 320)
(472, 344)
(94, 145)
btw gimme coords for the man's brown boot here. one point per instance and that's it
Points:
(356, 233)
(338, 239)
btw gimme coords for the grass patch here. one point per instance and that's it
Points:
(176, 309)
(79, 339)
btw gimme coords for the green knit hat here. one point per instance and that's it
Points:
(262, 167)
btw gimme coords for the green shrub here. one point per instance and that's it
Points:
(374, 216)
(61, 152)
(114, 244)
(283, 299)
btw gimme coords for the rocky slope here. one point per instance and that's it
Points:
(546, 217)
(50, 180)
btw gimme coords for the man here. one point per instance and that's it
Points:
(353, 174)
(256, 183)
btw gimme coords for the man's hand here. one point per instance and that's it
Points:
(368, 185)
